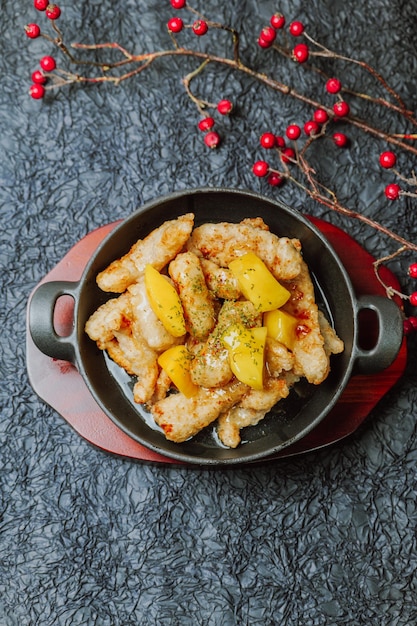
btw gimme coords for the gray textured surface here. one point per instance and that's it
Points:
(87, 538)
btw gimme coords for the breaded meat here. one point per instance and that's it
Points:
(224, 242)
(250, 411)
(181, 418)
(311, 358)
(197, 302)
(158, 249)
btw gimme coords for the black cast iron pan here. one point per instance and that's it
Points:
(292, 418)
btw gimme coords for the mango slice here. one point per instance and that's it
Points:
(257, 283)
(165, 301)
(176, 363)
(246, 347)
(282, 327)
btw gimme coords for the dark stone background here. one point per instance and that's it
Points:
(87, 538)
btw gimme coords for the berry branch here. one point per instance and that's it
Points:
(293, 159)
(401, 108)
(200, 27)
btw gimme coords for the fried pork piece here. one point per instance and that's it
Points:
(311, 357)
(255, 222)
(108, 318)
(277, 357)
(264, 400)
(111, 328)
(145, 324)
(224, 242)
(332, 343)
(181, 418)
(220, 280)
(250, 411)
(162, 386)
(197, 303)
(232, 421)
(210, 365)
(138, 359)
(158, 249)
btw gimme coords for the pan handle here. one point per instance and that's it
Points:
(41, 320)
(390, 335)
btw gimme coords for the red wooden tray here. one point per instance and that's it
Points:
(59, 384)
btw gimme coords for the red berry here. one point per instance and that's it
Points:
(408, 327)
(387, 159)
(412, 270)
(263, 43)
(274, 179)
(178, 4)
(38, 77)
(212, 139)
(300, 52)
(175, 24)
(37, 91)
(200, 27)
(296, 29)
(48, 63)
(293, 131)
(340, 139)
(268, 34)
(41, 5)
(413, 321)
(32, 31)
(341, 108)
(320, 116)
(260, 168)
(287, 155)
(333, 85)
(53, 11)
(311, 128)
(224, 107)
(277, 20)
(280, 142)
(206, 123)
(267, 140)
(392, 191)
(413, 299)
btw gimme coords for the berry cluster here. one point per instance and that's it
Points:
(410, 324)
(206, 124)
(340, 109)
(388, 161)
(47, 63)
(313, 128)
(277, 22)
(176, 24)
(268, 34)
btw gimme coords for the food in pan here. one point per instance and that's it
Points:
(215, 322)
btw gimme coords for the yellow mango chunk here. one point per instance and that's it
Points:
(282, 327)
(257, 283)
(246, 348)
(165, 301)
(176, 363)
